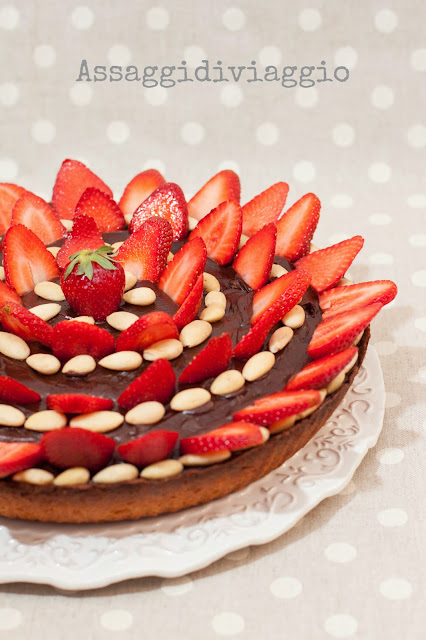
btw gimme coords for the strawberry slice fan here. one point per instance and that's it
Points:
(156, 353)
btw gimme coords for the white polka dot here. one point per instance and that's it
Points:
(228, 623)
(340, 552)
(43, 131)
(418, 278)
(420, 323)
(416, 136)
(341, 625)
(418, 240)
(44, 55)
(118, 132)
(193, 55)
(385, 347)
(192, 133)
(381, 258)
(177, 586)
(307, 98)
(9, 17)
(119, 54)
(9, 94)
(379, 172)
(286, 588)
(343, 135)
(309, 19)
(9, 618)
(234, 19)
(270, 56)
(116, 620)
(157, 18)
(342, 201)
(390, 455)
(346, 57)
(392, 517)
(267, 133)
(238, 555)
(304, 171)
(417, 201)
(231, 96)
(155, 163)
(382, 97)
(385, 21)
(380, 219)
(81, 94)
(396, 589)
(334, 238)
(156, 96)
(418, 60)
(349, 489)
(8, 169)
(392, 399)
(82, 18)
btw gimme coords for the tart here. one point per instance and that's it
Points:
(157, 354)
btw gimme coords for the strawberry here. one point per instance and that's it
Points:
(74, 447)
(71, 339)
(148, 329)
(224, 186)
(341, 299)
(71, 182)
(339, 332)
(168, 202)
(84, 235)
(102, 208)
(93, 283)
(317, 374)
(77, 403)
(264, 208)
(138, 190)
(278, 406)
(297, 226)
(289, 287)
(190, 306)
(7, 294)
(209, 362)
(149, 448)
(181, 274)
(17, 456)
(157, 382)
(254, 260)
(16, 392)
(327, 266)
(221, 231)
(9, 194)
(18, 320)
(145, 252)
(37, 215)
(26, 260)
(231, 437)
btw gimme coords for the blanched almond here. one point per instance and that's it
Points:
(265, 434)
(130, 280)
(98, 421)
(68, 224)
(351, 363)
(313, 247)
(13, 346)
(117, 245)
(149, 412)
(54, 250)
(277, 271)
(213, 313)
(128, 218)
(294, 318)
(49, 291)
(204, 459)
(46, 311)
(227, 382)
(357, 339)
(79, 366)
(10, 416)
(142, 296)
(210, 282)
(215, 298)
(243, 240)
(121, 320)
(258, 365)
(282, 425)
(344, 282)
(192, 223)
(87, 319)
(195, 332)
(162, 469)
(122, 361)
(168, 349)
(190, 399)
(170, 256)
(44, 363)
(336, 383)
(34, 476)
(46, 420)
(116, 473)
(2, 276)
(280, 339)
(74, 475)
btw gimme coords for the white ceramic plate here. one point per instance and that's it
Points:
(90, 556)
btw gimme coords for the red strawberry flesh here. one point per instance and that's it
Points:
(223, 186)
(209, 362)
(37, 215)
(340, 299)
(264, 208)
(318, 374)
(75, 447)
(9, 194)
(148, 329)
(157, 382)
(149, 448)
(83, 236)
(221, 231)
(71, 182)
(288, 288)
(139, 189)
(71, 339)
(229, 437)
(16, 392)
(18, 320)
(296, 228)
(102, 208)
(191, 305)
(278, 406)
(254, 260)
(167, 202)
(145, 252)
(17, 456)
(77, 403)
(181, 274)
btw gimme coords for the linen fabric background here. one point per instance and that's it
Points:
(355, 566)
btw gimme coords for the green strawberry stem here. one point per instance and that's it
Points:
(85, 259)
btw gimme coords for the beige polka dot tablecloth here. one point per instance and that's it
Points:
(355, 566)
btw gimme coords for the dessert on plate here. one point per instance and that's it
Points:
(157, 354)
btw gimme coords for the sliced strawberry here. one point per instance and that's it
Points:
(289, 287)
(139, 189)
(102, 208)
(18, 320)
(231, 437)
(328, 265)
(37, 215)
(209, 362)
(190, 306)
(317, 374)
(71, 182)
(9, 194)
(26, 260)
(278, 406)
(145, 252)
(16, 392)
(77, 403)
(297, 226)
(254, 260)
(71, 339)
(221, 231)
(224, 186)
(264, 208)
(167, 202)
(341, 299)
(148, 329)
(17, 456)
(75, 447)
(339, 332)
(83, 235)
(7, 294)
(181, 274)
(149, 448)
(157, 382)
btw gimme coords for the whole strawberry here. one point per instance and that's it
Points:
(93, 283)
